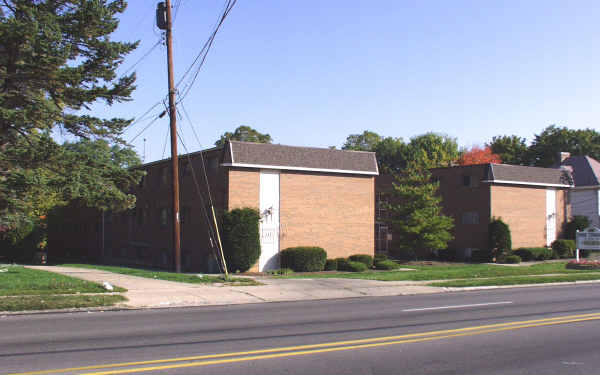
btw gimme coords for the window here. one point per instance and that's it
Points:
(471, 217)
(470, 181)
(382, 205)
(163, 216)
(213, 164)
(164, 175)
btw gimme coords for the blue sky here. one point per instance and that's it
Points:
(312, 72)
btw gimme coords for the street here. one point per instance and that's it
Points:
(541, 330)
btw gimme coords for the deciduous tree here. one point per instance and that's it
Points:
(478, 155)
(244, 133)
(367, 141)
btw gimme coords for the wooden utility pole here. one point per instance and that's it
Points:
(166, 11)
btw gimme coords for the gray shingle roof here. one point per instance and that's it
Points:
(527, 175)
(262, 155)
(585, 170)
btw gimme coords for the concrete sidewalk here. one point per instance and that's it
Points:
(144, 292)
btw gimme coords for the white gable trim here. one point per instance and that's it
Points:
(525, 183)
(282, 167)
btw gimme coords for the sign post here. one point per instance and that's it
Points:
(588, 239)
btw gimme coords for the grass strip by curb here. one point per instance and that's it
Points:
(20, 281)
(168, 276)
(452, 272)
(517, 280)
(26, 303)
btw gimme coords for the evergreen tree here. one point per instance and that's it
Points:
(415, 215)
(56, 61)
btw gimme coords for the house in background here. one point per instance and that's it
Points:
(306, 197)
(585, 195)
(532, 201)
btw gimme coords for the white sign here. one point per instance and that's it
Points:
(588, 239)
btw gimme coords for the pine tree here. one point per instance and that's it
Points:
(415, 215)
(56, 60)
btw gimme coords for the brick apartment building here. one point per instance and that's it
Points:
(306, 197)
(532, 201)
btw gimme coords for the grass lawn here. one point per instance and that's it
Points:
(518, 280)
(170, 276)
(26, 289)
(17, 281)
(47, 302)
(448, 272)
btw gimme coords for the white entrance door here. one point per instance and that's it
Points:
(550, 216)
(269, 222)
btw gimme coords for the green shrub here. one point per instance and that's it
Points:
(499, 237)
(564, 248)
(363, 258)
(481, 256)
(447, 255)
(348, 265)
(576, 223)
(533, 253)
(380, 257)
(512, 259)
(386, 264)
(303, 258)
(280, 272)
(241, 241)
(331, 265)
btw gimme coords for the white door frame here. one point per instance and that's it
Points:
(269, 220)
(550, 216)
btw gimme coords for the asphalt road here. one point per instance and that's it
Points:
(542, 330)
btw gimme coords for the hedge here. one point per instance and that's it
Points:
(386, 265)
(348, 265)
(380, 257)
(577, 223)
(564, 248)
(331, 265)
(241, 238)
(499, 237)
(533, 253)
(303, 258)
(512, 259)
(363, 258)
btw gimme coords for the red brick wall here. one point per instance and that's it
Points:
(458, 200)
(243, 188)
(523, 208)
(333, 211)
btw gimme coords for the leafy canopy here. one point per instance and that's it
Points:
(478, 155)
(244, 133)
(56, 60)
(367, 141)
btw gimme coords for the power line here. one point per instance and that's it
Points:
(145, 128)
(201, 154)
(210, 229)
(201, 57)
(142, 58)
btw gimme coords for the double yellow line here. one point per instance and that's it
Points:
(291, 351)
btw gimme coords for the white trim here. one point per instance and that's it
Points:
(282, 167)
(525, 183)
(231, 151)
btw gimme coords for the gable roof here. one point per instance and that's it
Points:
(522, 175)
(270, 156)
(585, 170)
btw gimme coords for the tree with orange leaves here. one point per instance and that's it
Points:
(478, 155)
